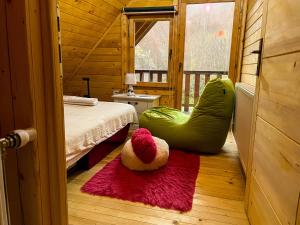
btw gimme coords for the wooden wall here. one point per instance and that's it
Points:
(83, 23)
(275, 183)
(101, 62)
(253, 33)
(102, 66)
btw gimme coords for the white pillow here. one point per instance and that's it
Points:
(76, 100)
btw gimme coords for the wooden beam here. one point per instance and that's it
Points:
(179, 64)
(124, 48)
(241, 41)
(235, 40)
(144, 29)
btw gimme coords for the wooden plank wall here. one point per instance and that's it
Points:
(103, 65)
(83, 23)
(251, 41)
(275, 186)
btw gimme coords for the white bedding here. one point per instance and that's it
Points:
(76, 100)
(87, 126)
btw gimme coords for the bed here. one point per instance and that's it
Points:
(88, 126)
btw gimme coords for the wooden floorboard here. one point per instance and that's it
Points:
(218, 199)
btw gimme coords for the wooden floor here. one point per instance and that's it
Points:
(218, 199)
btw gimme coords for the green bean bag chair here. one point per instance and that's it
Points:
(205, 130)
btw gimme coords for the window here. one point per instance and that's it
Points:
(151, 50)
(208, 38)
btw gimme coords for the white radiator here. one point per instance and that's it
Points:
(242, 120)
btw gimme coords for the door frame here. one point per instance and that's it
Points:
(255, 110)
(34, 80)
(234, 52)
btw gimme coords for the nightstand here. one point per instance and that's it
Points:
(140, 102)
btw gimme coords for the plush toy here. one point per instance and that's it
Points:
(144, 152)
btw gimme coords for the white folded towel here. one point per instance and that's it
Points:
(76, 100)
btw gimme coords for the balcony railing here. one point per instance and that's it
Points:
(192, 86)
(152, 76)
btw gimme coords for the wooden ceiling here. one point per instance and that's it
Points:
(83, 23)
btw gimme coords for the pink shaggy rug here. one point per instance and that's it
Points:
(171, 187)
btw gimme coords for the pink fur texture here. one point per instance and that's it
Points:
(143, 145)
(171, 187)
(140, 131)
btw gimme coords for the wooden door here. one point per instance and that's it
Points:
(7, 122)
(31, 96)
(179, 72)
(274, 184)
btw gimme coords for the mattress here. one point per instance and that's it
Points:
(87, 126)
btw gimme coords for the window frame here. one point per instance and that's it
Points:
(131, 40)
